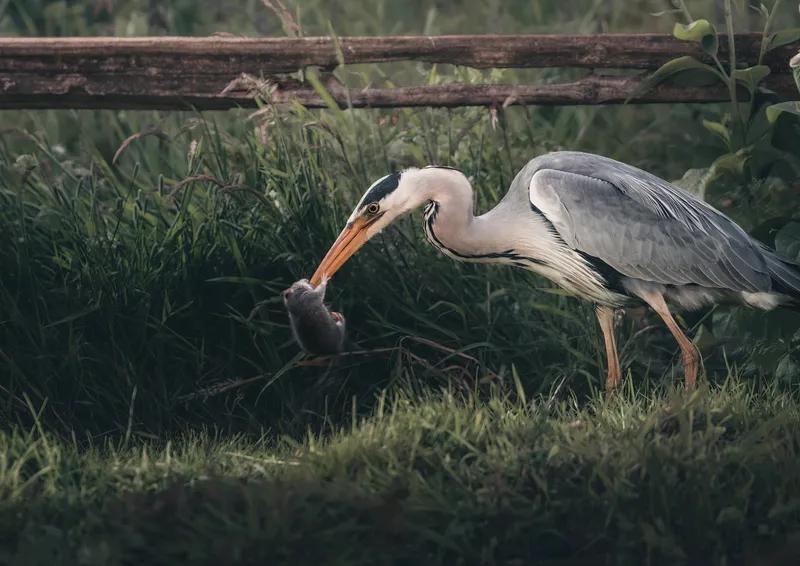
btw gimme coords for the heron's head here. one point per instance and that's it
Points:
(385, 200)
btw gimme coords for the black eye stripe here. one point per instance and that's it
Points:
(381, 189)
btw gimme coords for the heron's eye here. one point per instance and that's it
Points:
(373, 208)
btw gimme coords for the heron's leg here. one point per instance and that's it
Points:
(605, 316)
(689, 353)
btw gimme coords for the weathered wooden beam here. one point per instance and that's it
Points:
(594, 89)
(226, 54)
(180, 73)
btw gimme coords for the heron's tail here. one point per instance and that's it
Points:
(785, 276)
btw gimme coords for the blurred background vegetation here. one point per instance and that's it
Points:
(133, 299)
(316, 17)
(358, 17)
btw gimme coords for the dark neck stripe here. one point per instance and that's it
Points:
(431, 211)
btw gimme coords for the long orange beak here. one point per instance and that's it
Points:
(349, 242)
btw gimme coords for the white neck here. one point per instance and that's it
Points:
(450, 223)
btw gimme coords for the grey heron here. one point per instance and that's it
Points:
(603, 230)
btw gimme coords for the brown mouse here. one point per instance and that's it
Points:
(316, 329)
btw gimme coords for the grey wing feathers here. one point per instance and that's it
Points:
(785, 274)
(642, 226)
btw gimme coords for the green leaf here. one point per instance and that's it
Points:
(729, 163)
(714, 183)
(695, 77)
(719, 129)
(673, 68)
(751, 76)
(783, 37)
(791, 107)
(701, 31)
(787, 241)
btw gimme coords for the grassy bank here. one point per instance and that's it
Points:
(145, 289)
(142, 253)
(710, 478)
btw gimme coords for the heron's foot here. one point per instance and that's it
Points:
(613, 378)
(691, 365)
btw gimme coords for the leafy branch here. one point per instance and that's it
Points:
(689, 70)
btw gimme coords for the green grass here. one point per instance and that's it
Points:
(710, 478)
(129, 290)
(133, 298)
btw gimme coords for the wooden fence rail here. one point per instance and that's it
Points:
(206, 73)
